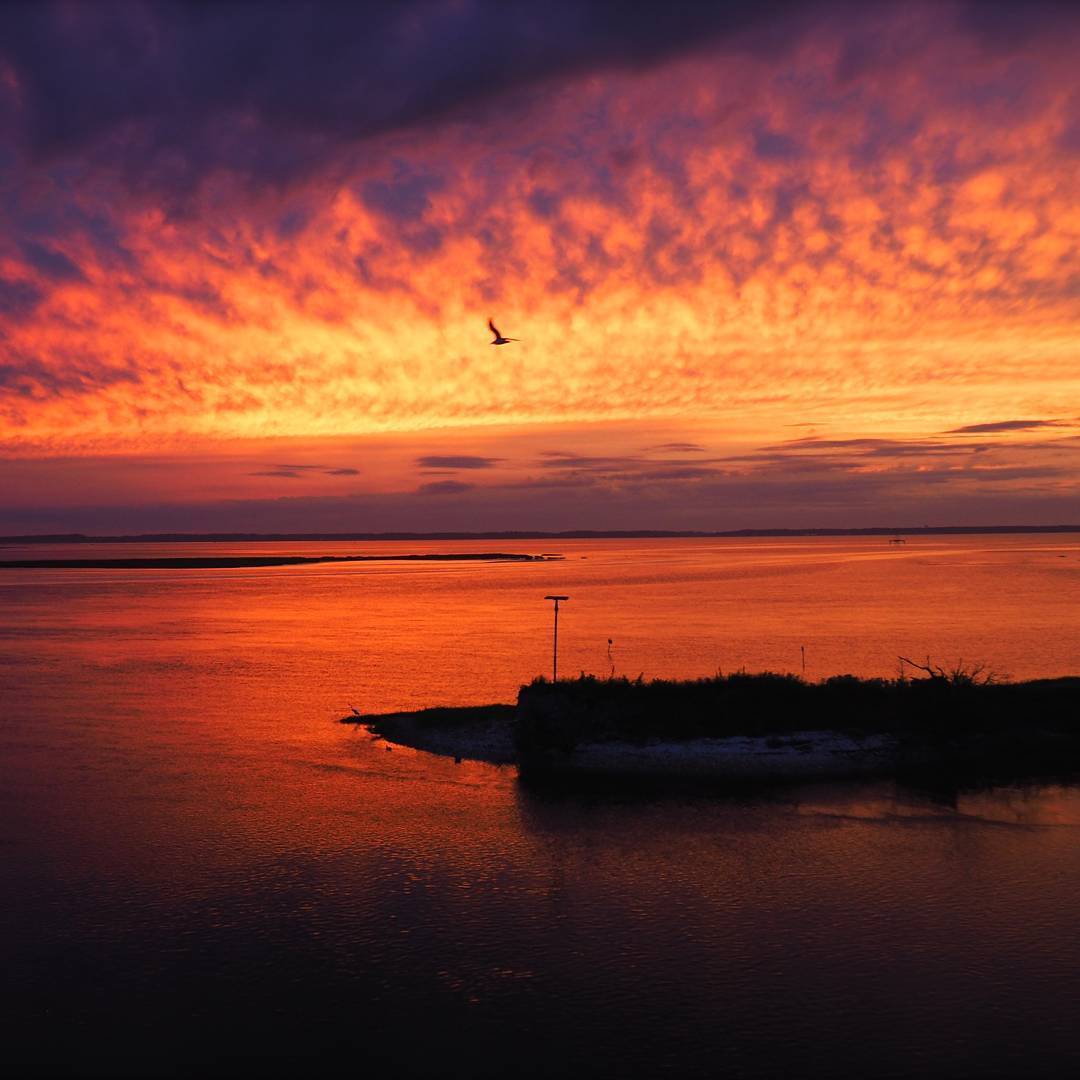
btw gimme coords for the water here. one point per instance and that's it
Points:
(202, 871)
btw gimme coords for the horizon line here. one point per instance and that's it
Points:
(533, 534)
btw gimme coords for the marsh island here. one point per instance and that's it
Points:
(759, 726)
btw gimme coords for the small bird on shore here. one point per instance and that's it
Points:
(499, 339)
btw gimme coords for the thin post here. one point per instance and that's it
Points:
(555, 647)
(555, 639)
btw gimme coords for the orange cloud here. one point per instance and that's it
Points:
(725, 243)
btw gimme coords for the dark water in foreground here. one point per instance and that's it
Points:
(201, 872)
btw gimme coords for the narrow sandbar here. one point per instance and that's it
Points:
(232, 562)
(476, 732)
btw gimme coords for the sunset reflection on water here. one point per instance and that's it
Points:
(198, 857)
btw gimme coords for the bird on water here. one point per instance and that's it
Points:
(499, 339)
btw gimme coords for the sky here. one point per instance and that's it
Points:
(770, 264)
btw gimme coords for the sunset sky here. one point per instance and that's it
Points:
(771, 265)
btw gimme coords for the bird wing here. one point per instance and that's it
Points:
(491, 327)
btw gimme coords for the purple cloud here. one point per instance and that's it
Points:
(457, 461)
(444, 487)
(51, 263)
(678, 448)
(1003, 425)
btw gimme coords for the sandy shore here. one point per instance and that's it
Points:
(819, 754)
(485, 735)
(477, 734)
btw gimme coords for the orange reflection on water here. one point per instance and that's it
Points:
(233, 679)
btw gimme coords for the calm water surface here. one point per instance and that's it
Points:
(201, 871)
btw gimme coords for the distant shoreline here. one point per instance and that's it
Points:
(243, 561)
(572, 534)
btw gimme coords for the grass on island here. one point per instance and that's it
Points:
(959, 704)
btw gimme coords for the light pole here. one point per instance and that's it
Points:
(555, 639)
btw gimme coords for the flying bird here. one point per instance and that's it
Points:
(499, 339)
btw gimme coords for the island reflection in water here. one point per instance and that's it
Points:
(203, 871)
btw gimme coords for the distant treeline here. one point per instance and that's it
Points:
(572, 534)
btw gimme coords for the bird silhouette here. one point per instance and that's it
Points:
(499, 339)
